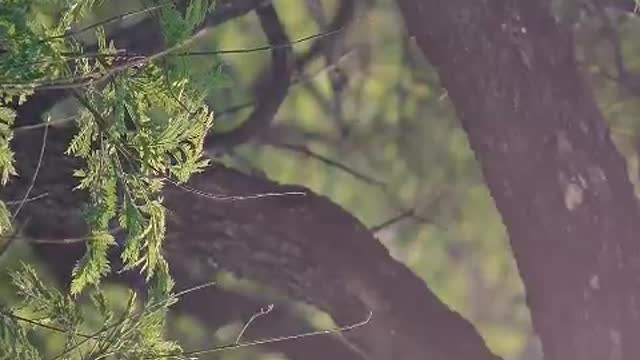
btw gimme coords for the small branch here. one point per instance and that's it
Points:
(273, 340)
(218, 197)
(18, 202)
(39, 324)
(392, 221)
(274, 92)
(308, 152)
(68, 241)
(263, 311)
(143, 37)
(108, 20)
(260, 48)
(24, 128)
(35, 173)
(135, 60)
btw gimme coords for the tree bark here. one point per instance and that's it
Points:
(555, 175)
(305, 246)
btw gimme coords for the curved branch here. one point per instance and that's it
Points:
(306, 246)
(271, 91)
(273, 87)
(317, 252)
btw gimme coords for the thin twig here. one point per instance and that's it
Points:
(124, 55)
(106, 21)
(263, 311)
(37, 197)
(308, 152)
(39, 324)
(194, 288)
(385, 224)
(67, 241)
(105, 328)
(218, 197)
(36, 172)
(269, 340)
(138, 60)
(259, 48)
(43, 124)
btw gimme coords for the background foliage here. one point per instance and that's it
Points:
(389, 121)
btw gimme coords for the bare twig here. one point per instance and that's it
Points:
(20, 129)
(218, 197)
(310, 153)
(18, 202)
(106, 21)
(260, 48)
(392, 221)
(67, 241)
(272, 340)
(35, 173)
(263, 311)
(135, 60)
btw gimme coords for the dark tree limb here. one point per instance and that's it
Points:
(557, 179)
(212, 306)
(317, 252)
(271, 91)
(304, 246)
(272, 87)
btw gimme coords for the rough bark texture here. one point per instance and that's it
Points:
(556, 177)
(317, 252)
(305, 246)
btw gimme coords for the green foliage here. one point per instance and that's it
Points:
(140, 123)
(137, 127)
(136, 333)
(176, 27)
(14, 343)
(5, 220)
(7, 116)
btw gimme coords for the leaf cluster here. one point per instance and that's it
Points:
(141, 122)
(135, 333)
(144, 124)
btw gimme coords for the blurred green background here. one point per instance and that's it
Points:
(392, 123)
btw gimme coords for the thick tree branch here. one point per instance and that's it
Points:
(317, 252)
(307, 247)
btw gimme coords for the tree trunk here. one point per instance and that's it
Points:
(556, 177)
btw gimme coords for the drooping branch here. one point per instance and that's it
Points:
(272, 90)
(273, 85)
(557, 179)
